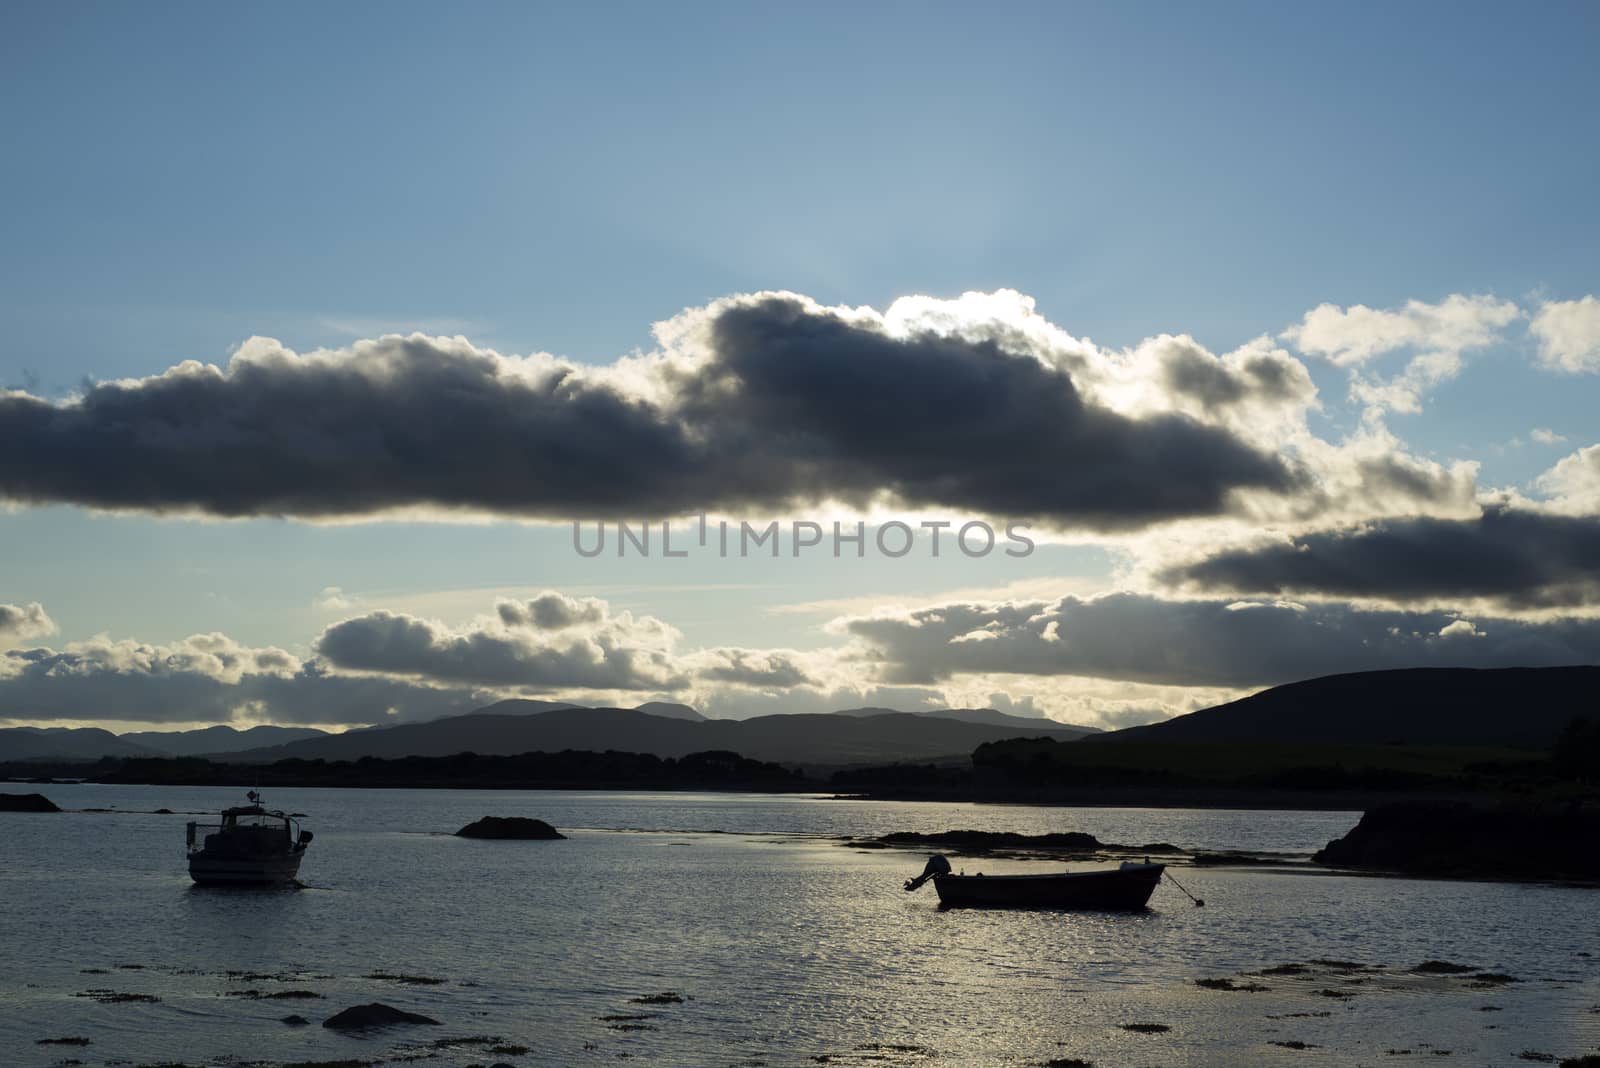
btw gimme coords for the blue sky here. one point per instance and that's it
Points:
(554, 179)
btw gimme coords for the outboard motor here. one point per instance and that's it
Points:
(305, 838)
(937, 865)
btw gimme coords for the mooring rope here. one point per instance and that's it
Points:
(1197, 901)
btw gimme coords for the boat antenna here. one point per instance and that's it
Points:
(1198, 902)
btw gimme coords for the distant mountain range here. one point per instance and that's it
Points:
(92, 743)
(213, 740)
(65, 743)
(991, 716)
(1517, 707)
(855, 736)
(814, 739)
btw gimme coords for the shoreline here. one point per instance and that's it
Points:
(1169, 797)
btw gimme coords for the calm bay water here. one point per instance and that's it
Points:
(786, 946)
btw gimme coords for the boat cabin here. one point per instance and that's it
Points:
(248, 831)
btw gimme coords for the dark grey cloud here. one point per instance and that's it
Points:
(1516, 557)
(395, 423)
(784, 403)
(603, 659)
(1263, 375)
(550, 643)
(42, 685)
(1147, 639)
(849, 411)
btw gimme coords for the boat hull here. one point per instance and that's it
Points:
(245, 870)
(1121, 889)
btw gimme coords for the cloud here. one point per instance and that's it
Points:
(214, 656)
(1110, 659)
(1568, 333)
(1437, 334)
(388, 424)
(18, 623)
(1515, 557)
(333, 599)
(1354, 335)
(202, 678)
(761, 402)
(1574, 482)
(1546, 436)
(753, 668)
(511, 649)
(551, 611)
(549, 643)
(1220, 643)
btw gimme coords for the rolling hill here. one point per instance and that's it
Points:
(1510, 707)
(216, 741)
(66, 743)
(819, 738)
(990, 716)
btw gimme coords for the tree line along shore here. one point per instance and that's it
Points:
(1037, 770)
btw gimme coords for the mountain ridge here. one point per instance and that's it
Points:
(1520, 708)
(802, 738)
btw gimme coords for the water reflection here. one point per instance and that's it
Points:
(783, 947)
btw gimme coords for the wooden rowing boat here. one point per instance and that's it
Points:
(1127, 887)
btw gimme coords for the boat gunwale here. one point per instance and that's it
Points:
(1100, 873)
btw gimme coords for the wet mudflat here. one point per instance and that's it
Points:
(747, 936)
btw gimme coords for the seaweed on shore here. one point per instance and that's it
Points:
(1491, 979)
(114, 997)
(1230, 985)
(409, 980)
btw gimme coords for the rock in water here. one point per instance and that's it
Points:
(509, 827)
(376, 1014)
(27, 803)
(1457, 839)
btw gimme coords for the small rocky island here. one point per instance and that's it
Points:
(376, 1014)
(27, 803)
(513, 827)
(1550, 840)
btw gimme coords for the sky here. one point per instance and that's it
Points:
(332, 336)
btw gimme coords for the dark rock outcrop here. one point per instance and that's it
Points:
(986, 841)
(27, 803)
(519, 827)
(981, 840)
(376, 1014)
(1457, 839)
